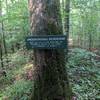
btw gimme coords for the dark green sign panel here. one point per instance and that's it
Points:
(46, 42)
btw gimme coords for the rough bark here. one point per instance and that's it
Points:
(50, 77)
(1, 53)
(2, 43)
(1, 58)
(3, 34)
(67, 22)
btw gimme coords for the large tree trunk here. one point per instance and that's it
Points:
(50, 77)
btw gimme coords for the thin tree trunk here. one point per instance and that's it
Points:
(1, 58)
(3, 37)
(1, 54)
(67, 22)
(50, 77)
(90, 41)
(2, 42)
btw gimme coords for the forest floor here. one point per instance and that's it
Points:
(83, 68)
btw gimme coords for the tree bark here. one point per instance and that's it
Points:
(1, 53)
(50, 76)
(3, 34)
(1, 58)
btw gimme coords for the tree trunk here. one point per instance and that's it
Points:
(67, 22)
(1, 43)
(50, 77)
(3, 34)
(4, 42)
(1, 53)
(90, 41)
(1, 58)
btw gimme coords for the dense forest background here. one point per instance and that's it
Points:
(16, 61)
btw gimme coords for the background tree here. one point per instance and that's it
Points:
(84, 22)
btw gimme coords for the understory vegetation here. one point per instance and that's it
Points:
(79, 23)
(84, 72)
(83, 68)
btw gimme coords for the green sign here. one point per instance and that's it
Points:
(46, 42)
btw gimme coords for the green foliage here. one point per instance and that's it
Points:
(16, 84)
(81, 56)
(83, 65)
(19, 59)
(20, 90)
(84, 74)
(84, 28)
(15, 21)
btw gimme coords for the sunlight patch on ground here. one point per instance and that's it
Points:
(28, 66)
